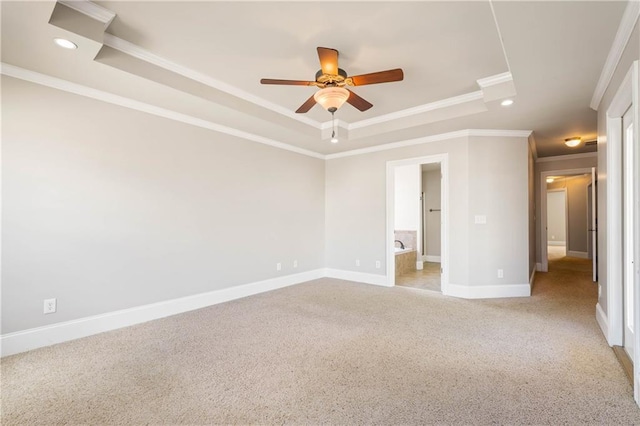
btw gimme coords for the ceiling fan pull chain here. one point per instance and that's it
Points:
(333, 128)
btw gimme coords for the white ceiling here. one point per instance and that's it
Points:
(205, 60)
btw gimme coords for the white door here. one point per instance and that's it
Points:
(627, 230)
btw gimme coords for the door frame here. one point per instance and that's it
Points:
(443, 159)
(544, 261)
(625, 97)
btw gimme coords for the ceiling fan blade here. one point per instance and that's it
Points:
(328, 60)
(305, 107)
(378, 77)
(358, 102)
(287, 82)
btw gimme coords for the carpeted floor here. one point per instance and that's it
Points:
(337, 352)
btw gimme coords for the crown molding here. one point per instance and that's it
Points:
(444, 103)
(90, 9)
(627, 23)
(433, 138)
(67, 86)
(144, 55)
(566, 157)
(494, 80)
(106, 16)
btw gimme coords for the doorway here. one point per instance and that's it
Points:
(564, 201)
(417, 199)
(557, 223)
(426, 273)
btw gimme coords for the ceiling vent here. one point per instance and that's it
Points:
(591, 143)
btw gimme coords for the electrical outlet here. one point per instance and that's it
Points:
(357, 262)
(49, 306)
(295, 263)
(278, 266)
(500, 273)
(377, 264)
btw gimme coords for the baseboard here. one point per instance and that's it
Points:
(580, 254)
(603, 321)
(429, 258)
(532, 278)
(556, 243)
(361, 277)
(22, 341)
(488, 291)
(539, 266)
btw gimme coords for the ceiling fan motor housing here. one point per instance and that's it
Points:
(332, 79)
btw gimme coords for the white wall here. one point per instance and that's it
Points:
(407, 198)
(493, 184)
(106, 208)
(356, 206)
(498, 183)
(556, 217)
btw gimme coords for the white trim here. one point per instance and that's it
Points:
(489, 291)
(433, 138)
(444, 103)
(495, 21)
(494, 80)
(566, 157)
(67, 86)
(361, 277)
(626, 95)
(539, 267)
(144, 55)
(91, 10)
(603, 322)
(580, 254)
(627, 23)
(147, 56)
(532, 279)
(429, 258)
(21, 341)
(534, 148)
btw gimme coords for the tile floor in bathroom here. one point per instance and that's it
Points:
(426, 279)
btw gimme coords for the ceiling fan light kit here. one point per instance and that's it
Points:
(332, 81)
(331, 97)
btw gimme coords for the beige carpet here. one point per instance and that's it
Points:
(336, 352)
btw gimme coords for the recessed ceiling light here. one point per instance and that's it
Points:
(507, 102)
(549, 179)
(573, 142)
(63, 42)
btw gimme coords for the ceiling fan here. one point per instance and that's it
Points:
(332, 81)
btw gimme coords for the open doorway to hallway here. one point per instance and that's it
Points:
(569, 213)
(568, 216)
